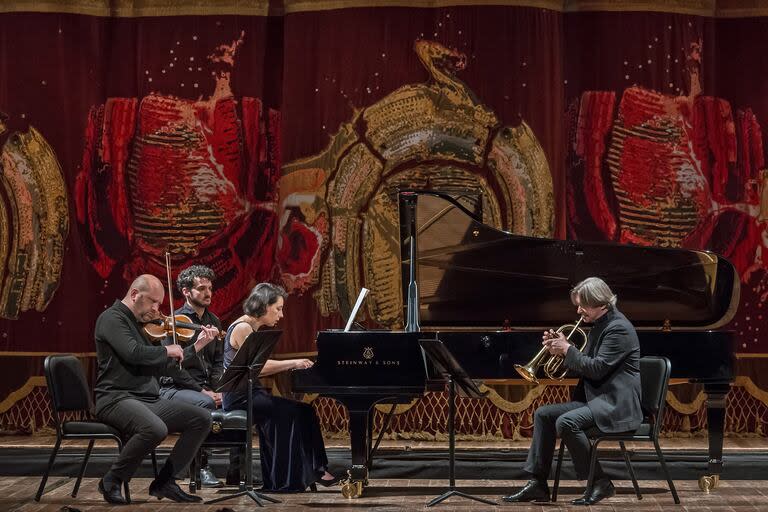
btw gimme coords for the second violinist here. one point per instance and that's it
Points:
(195, 381)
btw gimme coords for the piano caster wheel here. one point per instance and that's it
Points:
(708, 482)
(352, 489)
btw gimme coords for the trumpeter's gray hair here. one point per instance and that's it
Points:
(593, 292)
(262, 296)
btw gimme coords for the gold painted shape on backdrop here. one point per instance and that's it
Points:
(434, 135)
(34, 221)
(519, 159)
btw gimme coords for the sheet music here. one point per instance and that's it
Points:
(358, 303)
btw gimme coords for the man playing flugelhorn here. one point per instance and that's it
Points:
(607, 395)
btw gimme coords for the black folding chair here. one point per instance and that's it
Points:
(69, 393)
(654, 381)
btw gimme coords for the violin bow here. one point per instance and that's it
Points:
(170, 296)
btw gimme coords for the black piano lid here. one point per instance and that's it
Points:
(472, 275)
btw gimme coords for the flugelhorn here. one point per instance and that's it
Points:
(551, 364)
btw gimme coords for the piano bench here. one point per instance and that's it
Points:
(228, 430)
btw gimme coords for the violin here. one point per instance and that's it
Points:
(179, 327)
(185, 329)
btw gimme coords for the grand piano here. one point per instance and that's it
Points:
(488, 295)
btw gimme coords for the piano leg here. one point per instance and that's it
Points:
(358, 410)
(369, 437)
(716, 395)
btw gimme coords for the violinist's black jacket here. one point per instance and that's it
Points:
(128, 364)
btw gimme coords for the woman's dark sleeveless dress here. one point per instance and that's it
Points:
(290, 443)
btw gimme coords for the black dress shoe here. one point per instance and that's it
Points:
(112, 493)
(601, 489)
(534, 490)
(330, 482)
(171, 490)
(207, 478)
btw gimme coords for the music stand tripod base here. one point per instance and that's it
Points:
(248, 361)
(447, 365)
(452, 454)
(454, 492)
(255, 496)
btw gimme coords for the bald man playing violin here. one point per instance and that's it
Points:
(127, 393)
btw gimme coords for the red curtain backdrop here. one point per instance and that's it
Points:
(266, 90)
(665, 141)
(338, 61)
(60, 71)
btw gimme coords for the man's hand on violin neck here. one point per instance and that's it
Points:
(175, 352)
(207, 334)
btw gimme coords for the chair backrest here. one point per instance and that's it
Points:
(654, 381)
(67, 384)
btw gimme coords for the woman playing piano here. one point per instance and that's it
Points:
(290, 443)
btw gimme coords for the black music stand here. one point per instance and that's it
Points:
(446, 365)
(246, 365)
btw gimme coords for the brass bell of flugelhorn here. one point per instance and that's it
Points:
(551, 364)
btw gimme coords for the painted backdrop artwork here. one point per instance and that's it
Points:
(193, 177)
(339, 229)
(675, 171)
(34, 221)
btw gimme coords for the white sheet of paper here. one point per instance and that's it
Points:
(358, 303)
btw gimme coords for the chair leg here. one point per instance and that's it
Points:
(154, 462)
(592, 464)
(663, 463)
(244, 467)
(556, 485)
(631, 471)
(127, 492)
(194, 472)
(51, 460)
(82, 468)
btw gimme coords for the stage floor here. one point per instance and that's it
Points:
(388, 493)
(16, 495)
